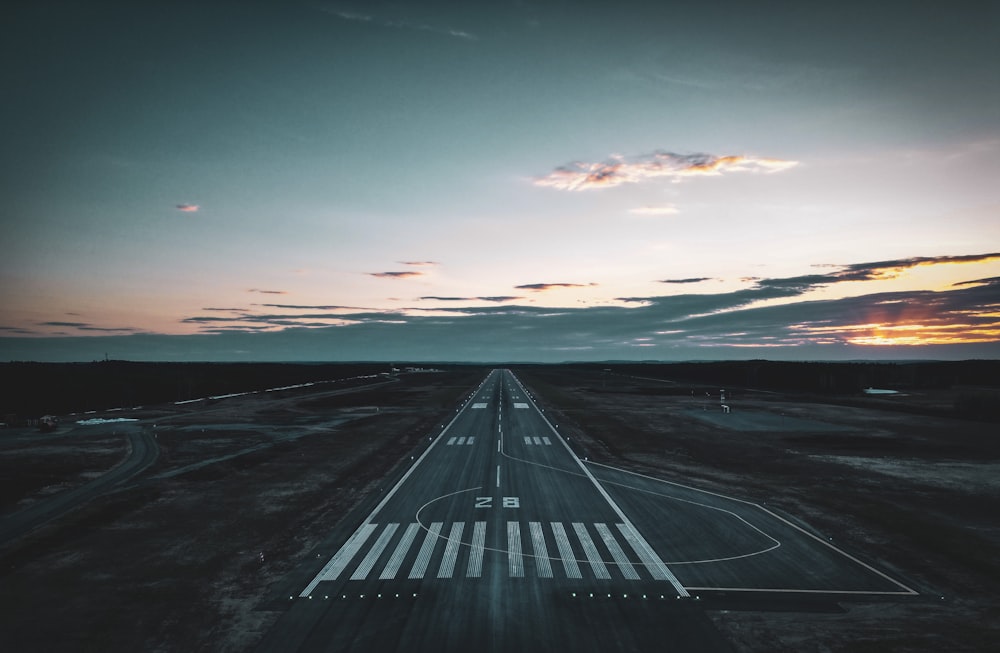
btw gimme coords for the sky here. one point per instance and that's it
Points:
(505, 181)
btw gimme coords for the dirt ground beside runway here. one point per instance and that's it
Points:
(916, 496)
(174, 562)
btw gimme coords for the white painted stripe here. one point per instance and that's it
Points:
(397, 556)
(515, 564)
(469, 441)
(451, 440)
(478, 405)
(566, 551)
(498, 475)
(590, 550)
(426, 551)
(461, 440)
(339, 561)
(628, 571)
(538, 440)
(542, 562)
(451, 550)
(546, 440)
(527, 439)
(520, 405)
(656, 568)
(475, 569)
(498, 446)
(369, 561)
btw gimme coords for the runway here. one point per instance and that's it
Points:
(498, 537)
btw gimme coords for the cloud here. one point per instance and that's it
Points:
(300, 307)
(669, 209)
(397, 23)
(64, 324)
(228, 310)
(84, 326)
(892, 269)
(395, 275)
(419, 263)
(500, 298)
(690, 280)
(962, 322)
(268, 292)
(539, 287)
(621, 170)
(497, 298)
(188, 208)
(991, 281)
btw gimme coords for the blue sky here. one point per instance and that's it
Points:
(524, 180)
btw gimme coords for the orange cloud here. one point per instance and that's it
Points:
(188, 208)
(620, 170)
(395, 275)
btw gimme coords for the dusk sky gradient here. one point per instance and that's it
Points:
(532, 181)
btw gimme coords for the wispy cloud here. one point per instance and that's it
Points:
(540, 287)
(299, 307)
(395, 275)
(497, 299)
(396, 23)
(669, 209)
(660, 164)
(689, 280)
(268, 292)
(891, 269)
(979, 282)
(419, 263)
(188, 208)
(85, 326)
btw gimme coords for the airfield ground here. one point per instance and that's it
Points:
(170, 559)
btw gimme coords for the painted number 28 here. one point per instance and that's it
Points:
(508, 502)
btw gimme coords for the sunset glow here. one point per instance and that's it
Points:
(387, 181)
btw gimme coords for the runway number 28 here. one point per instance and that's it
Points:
(508, 502)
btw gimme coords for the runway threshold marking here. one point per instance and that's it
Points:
(590, 550)
(451, 551)
(339, 562)
(539, 549)
(369, 561)
(566, 554)
(514, 560)
(475, 569)
(624, 565)
(397, 556)
(514, 554)
(426, 550)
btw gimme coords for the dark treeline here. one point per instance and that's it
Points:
(29, 390)
(822, 377)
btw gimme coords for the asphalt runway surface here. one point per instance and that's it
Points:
(498, 537)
